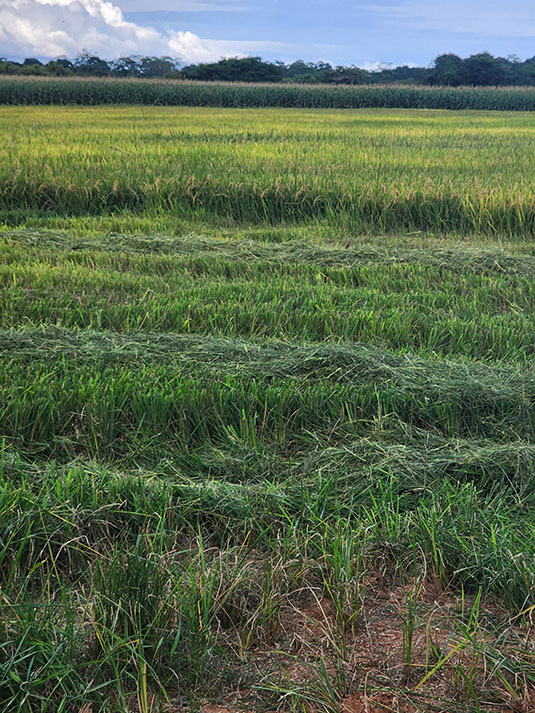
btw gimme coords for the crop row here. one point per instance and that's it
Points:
(96, 394)
(186, 93)
(252, 257)
(428, 305)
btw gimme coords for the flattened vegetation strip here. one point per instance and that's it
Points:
(474, 260)
(345, 362)
(453, 397)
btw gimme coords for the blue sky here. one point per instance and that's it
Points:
(339, 31)
(349, 31)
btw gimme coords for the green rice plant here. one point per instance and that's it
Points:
(160, 614)
(365, 170)
(409, 624)
(342, 573)
(261, 255)
(210, 390)
(483, 310)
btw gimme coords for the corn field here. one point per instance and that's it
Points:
(152, 92)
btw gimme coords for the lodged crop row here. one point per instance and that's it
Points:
(43, 90)
(98, 394)
(484, 309)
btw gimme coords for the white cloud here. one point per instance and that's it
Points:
(375, 66)
(492, 18)
(50, 28)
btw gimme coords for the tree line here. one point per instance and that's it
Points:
(482, 69)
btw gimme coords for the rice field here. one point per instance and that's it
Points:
(267, 414)
(373, 170)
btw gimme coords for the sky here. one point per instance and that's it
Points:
(359, 32)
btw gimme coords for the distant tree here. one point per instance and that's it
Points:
(57, 69)
(34, 69)
(126, 67)
(525, 72)
(156, 66)
(236, 69)
(299, 67)
(485, 70)
(8, 67)
(66, 63)
(403, 75)
(347, 75)
(91, 65)
(447, 70)
(313, 73)
(306, 72)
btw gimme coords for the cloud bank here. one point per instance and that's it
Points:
(51, 28)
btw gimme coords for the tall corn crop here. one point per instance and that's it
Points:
(43, 90)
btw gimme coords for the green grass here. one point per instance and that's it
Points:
(268, 458)
(162, 596)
